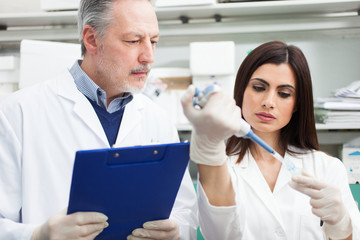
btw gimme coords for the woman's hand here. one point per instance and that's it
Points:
(218, 120)
(326, 203)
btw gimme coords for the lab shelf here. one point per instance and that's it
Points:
(245, 18)
(36, 19)
(337, 134)
(259, 8)
(225, 10)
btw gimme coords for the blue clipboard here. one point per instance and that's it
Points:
(130, 185)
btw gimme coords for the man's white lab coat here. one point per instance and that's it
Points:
(281, 214)
(42, 127)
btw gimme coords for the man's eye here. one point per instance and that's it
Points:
(133, 42)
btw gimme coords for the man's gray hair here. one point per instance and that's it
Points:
(97, 14)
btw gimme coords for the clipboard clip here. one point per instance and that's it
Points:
(145, 154)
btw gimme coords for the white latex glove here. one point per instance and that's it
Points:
(161, 229)
(215, 122)
(326, 203)
(80, 225)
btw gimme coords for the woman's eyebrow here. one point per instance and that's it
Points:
(261, 80)
(266, 83)
(286, 86)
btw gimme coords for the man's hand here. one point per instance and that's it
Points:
(80, 225)
(326, 203)
(167, 229)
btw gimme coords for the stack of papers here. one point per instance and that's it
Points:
(342, 108)
(337, 117)
(351, 91)
(337, 103)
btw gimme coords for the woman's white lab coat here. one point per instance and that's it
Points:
(281, 214)
(42, 127)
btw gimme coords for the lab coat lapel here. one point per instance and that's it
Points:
(82, 107)
(283, 179)
(251, 174)
(284, 175)
(131, 118)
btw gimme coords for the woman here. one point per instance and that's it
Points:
(245, 193)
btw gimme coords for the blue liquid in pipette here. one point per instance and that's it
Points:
(288, 164)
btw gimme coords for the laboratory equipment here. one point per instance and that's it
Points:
(213, 62)
(37, 61)
(200, 99)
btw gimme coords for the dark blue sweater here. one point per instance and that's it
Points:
(109, 121)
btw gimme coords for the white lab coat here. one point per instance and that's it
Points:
(42, 127)
(281, 214)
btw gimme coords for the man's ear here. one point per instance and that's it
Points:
(90, 39)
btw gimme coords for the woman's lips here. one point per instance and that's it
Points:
(267, 117)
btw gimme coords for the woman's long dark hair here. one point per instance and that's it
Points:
(300, 131)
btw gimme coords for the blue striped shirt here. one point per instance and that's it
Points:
(92, 91)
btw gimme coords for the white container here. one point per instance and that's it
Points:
(212, 58)
(9, 63)
(213, 62)
(6, 89)
(9, 69)
(9, 75)
(226, 82)
(169, 99)
(42, 60)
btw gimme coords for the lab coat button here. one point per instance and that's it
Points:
(279, 232)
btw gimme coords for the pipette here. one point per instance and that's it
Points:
(200, 99)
